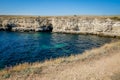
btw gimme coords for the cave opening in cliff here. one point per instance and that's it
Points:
(9, 27)
(50, 28)
(47, 28)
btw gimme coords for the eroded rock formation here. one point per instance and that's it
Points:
(68, 24)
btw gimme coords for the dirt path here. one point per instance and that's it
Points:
(102, 69)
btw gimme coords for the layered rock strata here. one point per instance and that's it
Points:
(107, 26)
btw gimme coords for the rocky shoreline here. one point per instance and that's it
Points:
(97, 25)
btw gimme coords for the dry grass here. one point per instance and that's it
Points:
(65, 16)
(97, 64)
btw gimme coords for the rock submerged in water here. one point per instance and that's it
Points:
(66, 24)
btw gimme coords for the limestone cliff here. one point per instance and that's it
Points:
(109, 26)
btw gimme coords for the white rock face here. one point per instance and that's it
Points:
(71, 24)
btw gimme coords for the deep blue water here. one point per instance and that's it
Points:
(18, 47)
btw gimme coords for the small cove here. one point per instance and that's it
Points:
(16, 47)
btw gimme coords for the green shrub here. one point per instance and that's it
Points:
(116, 18)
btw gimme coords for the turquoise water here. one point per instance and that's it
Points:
(18, 47)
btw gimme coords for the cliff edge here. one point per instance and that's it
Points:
(100, 25)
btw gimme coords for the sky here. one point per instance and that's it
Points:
(59, 7)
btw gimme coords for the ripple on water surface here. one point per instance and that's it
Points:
(30, 47)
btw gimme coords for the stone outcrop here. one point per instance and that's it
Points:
(107, 26)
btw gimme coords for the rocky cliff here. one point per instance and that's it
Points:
(107, 26)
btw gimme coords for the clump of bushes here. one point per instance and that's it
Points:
(115, 18)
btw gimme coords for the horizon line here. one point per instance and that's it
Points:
(59, 15)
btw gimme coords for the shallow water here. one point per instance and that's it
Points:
(18, 47)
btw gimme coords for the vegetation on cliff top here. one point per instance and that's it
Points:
(115, 18)
(79, 16)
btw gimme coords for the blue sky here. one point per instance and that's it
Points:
(59, 7)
